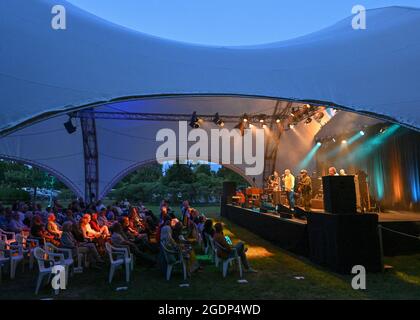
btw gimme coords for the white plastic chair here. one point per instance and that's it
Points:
(119, 257)
(67, 254)
(46, 261)
(15, 253)
(169, 266)
(7, 237)
(228, 261)
(28, 244)
(197, 235)
(3, 259)
(211, 248)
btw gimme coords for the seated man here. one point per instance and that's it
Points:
(52, 226)
(68, 241)
(118, 239)
(102, 219)
(228, 249)
(15, 225)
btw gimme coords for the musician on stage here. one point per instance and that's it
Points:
(305, 189)
(274, 188)
(289, 187)
(274, 182)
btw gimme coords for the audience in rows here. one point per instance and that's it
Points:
(86, 228)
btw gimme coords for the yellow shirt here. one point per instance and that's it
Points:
(289, 182)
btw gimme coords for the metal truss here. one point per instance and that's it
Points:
(90, 147)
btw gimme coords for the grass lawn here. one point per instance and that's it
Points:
(275, 279)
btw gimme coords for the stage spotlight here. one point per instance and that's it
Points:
(362, 133)
(319, 143)
(278, 120)
(333, 140)
(343, 141)
(194, 123)
(291, 126)
(245, 118)
(218, 121)
(308, 121)
(261, 119)
(70, 127)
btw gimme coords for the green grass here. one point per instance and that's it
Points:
(275, 279)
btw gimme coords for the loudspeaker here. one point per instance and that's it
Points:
(339, 194)
(340, 241)
(229, 190)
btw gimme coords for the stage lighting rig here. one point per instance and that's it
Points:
(70, 127)
(218, 121)
(194, 123)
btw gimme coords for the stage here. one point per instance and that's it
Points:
(342, 236)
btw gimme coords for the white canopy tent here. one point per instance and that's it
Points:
(46, 73)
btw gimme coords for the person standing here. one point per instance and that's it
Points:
(332, 171)
(289, 187)
(305, 188)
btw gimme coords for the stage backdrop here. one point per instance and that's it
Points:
(390, 157)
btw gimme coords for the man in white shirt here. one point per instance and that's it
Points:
(289, 187)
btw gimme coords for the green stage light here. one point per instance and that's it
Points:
(305, 162)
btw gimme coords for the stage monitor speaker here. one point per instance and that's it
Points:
(339, 194)
(229, 190)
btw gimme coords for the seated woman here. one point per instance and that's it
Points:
(151, 219)
(185, 210)
(95, 225)
(168, 242)
(118, 239)
(52, 226)
(38, 231)
(68, 241)
(167, 211)
(208, 231)
(136, 222)
(88, 231)
(91, 235)
(228, 250)
(131, 232)
(173, 240)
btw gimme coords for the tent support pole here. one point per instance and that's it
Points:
(90, 148)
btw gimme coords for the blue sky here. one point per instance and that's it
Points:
(228, 22)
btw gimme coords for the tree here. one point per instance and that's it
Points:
(179, 173)
(229, 175)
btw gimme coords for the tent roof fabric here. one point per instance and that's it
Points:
(373, 71)
(45, 73)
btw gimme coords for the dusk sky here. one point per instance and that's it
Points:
(228, 22)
